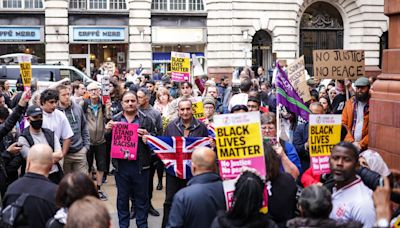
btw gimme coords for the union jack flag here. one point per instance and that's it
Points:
(211, 130)
(176, 153)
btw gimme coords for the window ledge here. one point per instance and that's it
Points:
(180, 13)
(97, 12)
(21, 11)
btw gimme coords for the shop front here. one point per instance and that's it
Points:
(23, 39)
(93, 49)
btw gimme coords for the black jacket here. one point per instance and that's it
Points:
(257, 221)
(10, 122)
(40, 204)
(144, 152)
(196, 129)
(300, 137)
(326, 223)
(198, 203)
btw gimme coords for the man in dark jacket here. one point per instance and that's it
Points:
(198, 203)
(185, 126)
(40, 204)
(132, 176)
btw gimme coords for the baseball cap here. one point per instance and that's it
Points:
(34, 110)
(363, 81)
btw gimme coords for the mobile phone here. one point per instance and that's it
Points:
(381, 182)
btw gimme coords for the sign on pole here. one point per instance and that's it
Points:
(239, 143)
(180, 66)
(124, 141)
(105, 89)
(198, 109)
(25, 70)
(297, 77)
(339, 64)
(324, 133)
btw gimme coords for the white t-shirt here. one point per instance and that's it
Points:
(359, 121)
(238, 99)
(57, 122)
(353, 203)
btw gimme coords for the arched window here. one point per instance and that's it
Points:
(22, 4)
(177, 5)
(321, 27)
(97, 4)
(262, 50)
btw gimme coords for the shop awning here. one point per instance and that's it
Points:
(165, 57)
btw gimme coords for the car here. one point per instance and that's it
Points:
(45, 74)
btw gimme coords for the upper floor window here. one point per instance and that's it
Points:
(97, 4)
(22, 4)
(177, 5)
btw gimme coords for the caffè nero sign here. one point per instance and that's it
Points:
(98, 34)
(21, 34)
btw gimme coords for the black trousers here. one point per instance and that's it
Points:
(174, 184)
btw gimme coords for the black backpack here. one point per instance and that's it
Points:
(12, 215)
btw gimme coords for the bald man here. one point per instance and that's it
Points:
(39, 205)
(198, 203)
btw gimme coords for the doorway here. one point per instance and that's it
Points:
(81, 62)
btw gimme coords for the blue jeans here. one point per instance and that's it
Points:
(132, 182)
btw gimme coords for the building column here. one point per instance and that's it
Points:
(56, 31)
(384, 120)
(140, 51)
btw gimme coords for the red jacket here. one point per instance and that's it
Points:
(309, 178)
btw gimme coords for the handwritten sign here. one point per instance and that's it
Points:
(105, 89)
(339, 64)
(25, 70)
(124, 141)
(297, 77)
(198, 109)
(239, 143)
(324, 133)
(180, 66)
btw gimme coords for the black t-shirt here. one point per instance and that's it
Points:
(338, 104)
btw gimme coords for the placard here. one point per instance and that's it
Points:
(198, 109)
(105, 89)
(324, 134)
(124, 141)
(239, 143)
(297, 77)
(339, 64)
(180, 66)
(25, 70)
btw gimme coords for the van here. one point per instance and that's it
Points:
(44, 74)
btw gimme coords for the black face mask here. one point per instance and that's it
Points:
(36, 124)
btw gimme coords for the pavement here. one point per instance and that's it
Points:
(158, 200)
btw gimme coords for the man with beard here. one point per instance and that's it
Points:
(355, 115)
(351, 199)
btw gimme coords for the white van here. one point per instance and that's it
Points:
(44, 74)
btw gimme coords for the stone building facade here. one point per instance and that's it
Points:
(224, 34)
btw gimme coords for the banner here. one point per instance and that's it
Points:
(124, 141)
(180, 66)
(297, 77)
(239, 143)
(339, 64)
(105, 89)
(198, 109)
(25, 70)
(324, 133)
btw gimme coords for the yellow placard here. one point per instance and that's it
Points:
(238, 142)
(323, 138)
(181, 65)
(26, 73)
(198, 110)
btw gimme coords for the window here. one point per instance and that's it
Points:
(97, 4)
(22, 4)
(177, 5)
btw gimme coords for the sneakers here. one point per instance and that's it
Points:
(102, 195)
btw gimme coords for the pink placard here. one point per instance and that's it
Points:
(230, 169)
(180, 77)
(320, 165)
(124, 141)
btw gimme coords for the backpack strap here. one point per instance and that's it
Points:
(21, 200)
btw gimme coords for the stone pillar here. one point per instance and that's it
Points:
(56, 31)
(384, 122)
(140, 51)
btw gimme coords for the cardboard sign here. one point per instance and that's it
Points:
(105, 89)
(297, 77)
(324, 133)
(25, 70)
(339, 64)
(198, 109)
(239, 143)
(180, 66)
(124, 141)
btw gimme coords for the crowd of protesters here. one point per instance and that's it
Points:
(55, 156)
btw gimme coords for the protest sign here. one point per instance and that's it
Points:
(25, 70)
(198, 109)
(239, 143)
(297, 77)
(124, 141)
(180, 66)
(338, 64)
(105, 89)
(324, 133)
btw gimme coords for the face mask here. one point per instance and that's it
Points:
(36, 124)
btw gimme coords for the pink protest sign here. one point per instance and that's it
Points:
(230, 169)
(124, 141)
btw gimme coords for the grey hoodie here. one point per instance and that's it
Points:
(77, 121)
